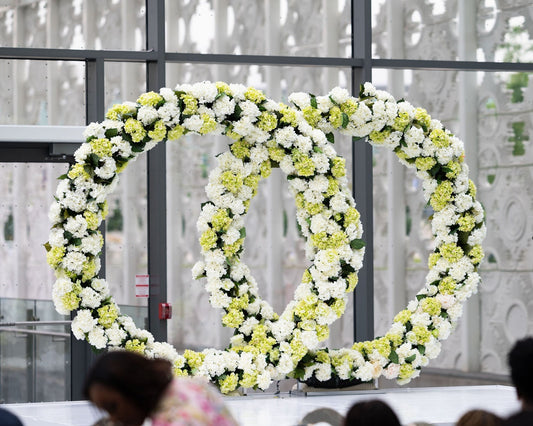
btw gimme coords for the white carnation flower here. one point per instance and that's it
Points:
(90, 298)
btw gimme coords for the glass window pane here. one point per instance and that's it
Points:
(42, 92)
(494, 31)
(74, 24)
(255, 27)
(33, 367)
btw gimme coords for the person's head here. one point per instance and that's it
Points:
(519, 360)
(371, 413)
(479, 418)
(523, 418)
(127, 385)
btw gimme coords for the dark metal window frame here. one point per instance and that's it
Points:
(155, 57)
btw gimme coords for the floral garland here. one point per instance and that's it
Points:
(298, 139)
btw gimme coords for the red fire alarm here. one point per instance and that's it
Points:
(165, 311)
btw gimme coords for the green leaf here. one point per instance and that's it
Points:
(77, 241)
(345, 120)
(242, 232)
(298, 373)
(47, 246)
(330, 137)
(421, 296)
(93, 159)
(68, 235)
(62, 177)
(317, 149)
(137, 147)
(313, 101)
(393, 356)
(410, 358)
(109, 133)
(357, 244)
(421, 349)
(333, 101)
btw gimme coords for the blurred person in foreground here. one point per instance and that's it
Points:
(371, 413)
(520, 360)
(479, 418)
(132, 388)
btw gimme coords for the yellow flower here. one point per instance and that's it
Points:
(78, 170)
(439, 138)
(401, 122)
(305, 166)
(352, 279)
(476, 254)
(249, 379)
(233, 181)
(349, 107)
(233, 318)
(175, 133)
(159, 132)
(150, 99)
(431, 306)
(433, 259)
(288, 115)
(339, 167)
(455, 169)
(276, 153)
(223, 87)
(422, 116)
(88, 270)
(209, 124)
(70, 301)
(267, 121)
(335, 117)
(466, 222)
(208, 239)
(406, 371)
(254, 95)
(403, 316)
(107, 315)
(229, 383)
(135, 345)
(135, 129)
(442, 196)
(312, 115)
(102, 147)
(194, 359)
(240, 149)
(118, 110)
(220, 220)
(266, 169)
(55, 256)
(322, 332)
(191, 104)
(447, 285)
(425, 163)
(451, 252)
(379, 137)
(422, 334)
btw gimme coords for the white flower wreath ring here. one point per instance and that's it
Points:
(298, 139)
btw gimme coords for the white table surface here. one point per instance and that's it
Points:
(437, 405)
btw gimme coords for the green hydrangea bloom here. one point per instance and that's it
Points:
(431, 306)
(159, 131)
(107, 315)
(103, 147)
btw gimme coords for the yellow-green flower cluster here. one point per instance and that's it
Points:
(150, 99)
(261, 340)
(454, 169)
(159, 131)
(209, 124)
(422, 116)
(88, 270)
(221, 220)
(431, 306)
(209, 239)
(406, 371)
(335, 117)
(447, 285)
(233, 318)
(339, 167)
(451, 252)
(403, 316)
(439, 138)
(323, 241)
(228, 383)
(312, 115)
(103, 147)
(107, 315)
(401, 122)
(55, 256)
(425, 163)
(78, 170)
(232, 181)
(276, 153)
(70, 300)
(135, 345)
(476, 254)
(194, 359)
(379, 137)
(93, 222)
(288, 115)
(442, 196)
(240, 149)
(191, 104)
(422, 334)
(135, 129)
(118, 110)
(349, 107)
(254, 95)
(267, 121)
(352, 280)
(466, 222)
(175, 133)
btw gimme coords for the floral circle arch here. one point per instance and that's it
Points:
(298, 139)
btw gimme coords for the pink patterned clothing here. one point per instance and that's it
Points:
(191, 402)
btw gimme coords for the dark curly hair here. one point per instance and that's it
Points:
(520, 358)
(139, 379)
(371, 413)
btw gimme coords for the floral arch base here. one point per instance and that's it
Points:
(299, 139)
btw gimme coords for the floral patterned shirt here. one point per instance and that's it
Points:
(191, 402)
